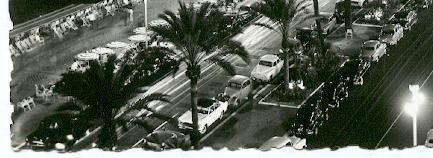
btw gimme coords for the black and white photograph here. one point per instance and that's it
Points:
(233, 75)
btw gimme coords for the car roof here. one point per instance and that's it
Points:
(402, 14)
(238, 79)
(371, 43)
(269, 57)
(389, 27)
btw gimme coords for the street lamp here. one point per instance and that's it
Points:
(412, 108)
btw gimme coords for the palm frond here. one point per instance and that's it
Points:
(235, 48)
(266, 26)
(144, 102)
(229, 68)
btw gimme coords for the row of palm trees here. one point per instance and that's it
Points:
(109, 86)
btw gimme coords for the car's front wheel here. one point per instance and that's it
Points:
(236, 103)
(203, 130)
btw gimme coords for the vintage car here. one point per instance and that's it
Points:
(406, 18)
(327, 22)
(268, 67)
(209, 111)
(238, 89)
(285, 140)
(166, 139)
(356, 3)
(372, 50)
(391, 33)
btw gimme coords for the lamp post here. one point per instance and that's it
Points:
(412, 108)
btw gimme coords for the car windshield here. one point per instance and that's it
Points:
(203, 110)
(368, 48)
(265, 63)
(234, 85)
(388, 32)
(401, 15)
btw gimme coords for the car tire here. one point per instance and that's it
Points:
(203, 130)
(237, 103)
(221, 116)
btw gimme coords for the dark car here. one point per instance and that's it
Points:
(166, 139)
(406, 18)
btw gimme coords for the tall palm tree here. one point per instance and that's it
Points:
(348, 14)
(194, 32)
(106, 88)
(284, 13)
(319, 25)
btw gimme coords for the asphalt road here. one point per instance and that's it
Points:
(371, 109)
(258, 41)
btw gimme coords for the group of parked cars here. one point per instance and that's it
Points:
(391, 33)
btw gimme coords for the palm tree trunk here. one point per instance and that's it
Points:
(108, 137)
(319, 26)
(193, 74)
(286, 57)
(348, 14)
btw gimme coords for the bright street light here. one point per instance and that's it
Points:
(412, 108)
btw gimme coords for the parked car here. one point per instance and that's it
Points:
(268, 67)
(285, 140)
(166, 139)
(356, 3)
(209, 111)
(238, 89)
(305, 35)
(327, 21)
(391, 33)
(429, 140)
(372, 50)
(406, 18)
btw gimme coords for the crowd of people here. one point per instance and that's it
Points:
(85, 17)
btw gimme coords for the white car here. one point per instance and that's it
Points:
(269, 66)
(238, 89)
(372, 50)
(391, 33)
(357, 3)
(285, 140)
(209, 111)
(429, 139)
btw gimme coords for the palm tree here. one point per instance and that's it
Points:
(319, 25)
(284, 13)
(106, 88)
(194, 34)
(348, 14)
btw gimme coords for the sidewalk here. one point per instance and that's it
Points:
(44, 65)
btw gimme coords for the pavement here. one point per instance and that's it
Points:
(44, 64)
(373, 111)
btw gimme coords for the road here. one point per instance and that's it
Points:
(43, 65)
(252, 121)
(368, 113)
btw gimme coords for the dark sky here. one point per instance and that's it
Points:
(23, 10)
